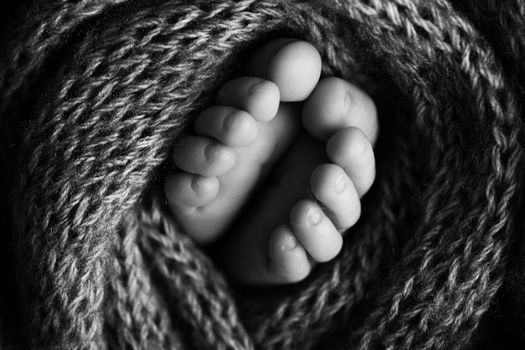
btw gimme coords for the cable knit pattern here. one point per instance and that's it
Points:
(94, 95)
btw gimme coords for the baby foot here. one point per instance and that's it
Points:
(240, 138)
(313, 194)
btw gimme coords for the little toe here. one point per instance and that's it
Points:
(203, 156)
(336, 104)
(184, 189)
(334, 189)
(351, 149)
(257, 96)
(230, 126)
(288, 260)
(315, 231)
(294, 65)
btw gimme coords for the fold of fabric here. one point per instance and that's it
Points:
(94, 95)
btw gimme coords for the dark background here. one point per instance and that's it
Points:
(10, 318)
(10, 10)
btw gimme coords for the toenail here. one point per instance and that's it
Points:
(340, 184)
(196, 184)
(290, 243)
(359, 145)
(347, 102)
(314, 216)
(255, 88)
(230, 121)
(211, 152)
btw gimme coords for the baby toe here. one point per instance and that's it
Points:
(203, 156)
(257, 96)
(334, 189)
(288, 261)
(184, 189)
(232, 127)
(350, 149)
(315, 231)
(336, 104)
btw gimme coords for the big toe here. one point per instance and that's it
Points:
(293, 65)
(336, 104)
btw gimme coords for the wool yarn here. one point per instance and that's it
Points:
(94, 95)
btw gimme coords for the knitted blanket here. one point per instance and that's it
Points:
(94, 95)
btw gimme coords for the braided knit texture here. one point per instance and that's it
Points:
(94, 95)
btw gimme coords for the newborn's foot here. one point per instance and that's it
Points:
(238, 140)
